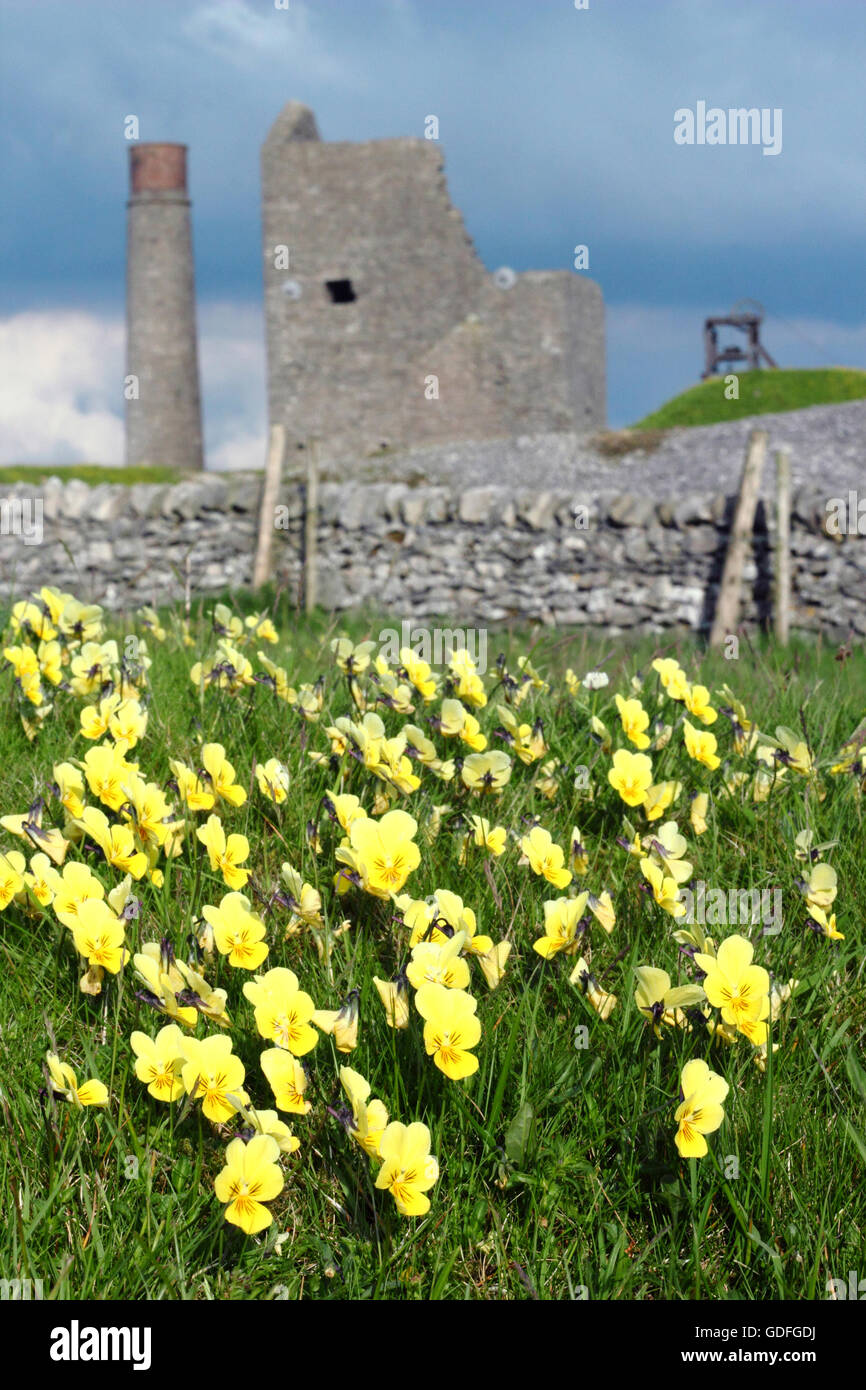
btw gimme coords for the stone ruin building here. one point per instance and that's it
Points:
(384, 290)
(384, 329)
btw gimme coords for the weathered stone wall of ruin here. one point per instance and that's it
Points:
(482, 555)
(356, 375)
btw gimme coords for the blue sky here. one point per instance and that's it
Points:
(557, 128)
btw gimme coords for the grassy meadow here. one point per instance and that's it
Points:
(562, 1154)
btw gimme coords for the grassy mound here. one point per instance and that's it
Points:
(91, 473)
(761, 393)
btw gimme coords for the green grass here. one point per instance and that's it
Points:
(761, 393)
(91, 473)
(559, 1171)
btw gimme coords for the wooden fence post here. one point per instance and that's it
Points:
(728, 605)
(311, 518)
(270, 491)
(783, 545)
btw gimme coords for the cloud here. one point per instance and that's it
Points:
(242, 37)
(62, 377)
(63, 386)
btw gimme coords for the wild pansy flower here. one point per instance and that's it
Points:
(273, 780)
(225, 853)
(150, 813)
(450, 915)
(259, 625)
(469, 685)
(345, 808)
(287, 1079)
(159, 1062)
(697, 702)
(457, 722)
(369, 1117)
(238, 932)
(194, 793)
(822, 886)
(39, 879)
(740, 989)
(666, 846)
(163, 983)
(631, 776)
(385, 851)
(302, 899)
(277, 678)
(602, 910)
(701, 746)
(546, 858)
(408, 1170)
(65, 1085)
(283, 1011)
(599, 999)
(659, 797)
(600, 734)
(341, 1023)
(700, 1111)
(451, 1029)
(212, 1071)
(562, 920)
(418, 674)
(525, 740)
(674, 680)
(12, 870)
(698, 812)
(439, 963)
(493, 963)
(579, 856)
(99, 936)
(250, 1178)
(825, 925)
(107, 773)
(665, 888)
(200, 995)
(269, 1122)
(221, 775)
(117, 842)
(352, 659)
(634, 720)
(29, 827)
(659, 1003)
(394, 995)
(69, 782)
(487, 773)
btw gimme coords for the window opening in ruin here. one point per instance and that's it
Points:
(341, 291)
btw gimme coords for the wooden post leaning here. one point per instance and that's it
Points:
(728, 605)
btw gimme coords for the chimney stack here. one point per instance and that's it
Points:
(163, 408)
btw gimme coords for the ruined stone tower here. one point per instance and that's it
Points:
(386, 328)
(163, 410)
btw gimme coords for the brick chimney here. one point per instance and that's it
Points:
(163, 406)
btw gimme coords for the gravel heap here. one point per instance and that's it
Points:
(827, 442)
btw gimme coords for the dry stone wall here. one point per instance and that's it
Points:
(482, 555)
